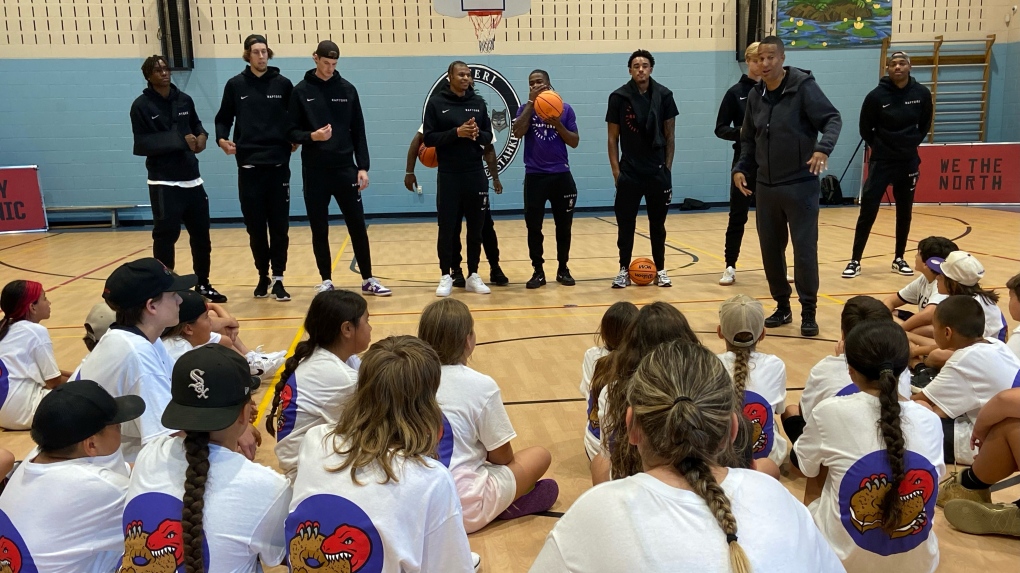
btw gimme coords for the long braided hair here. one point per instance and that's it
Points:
(196, 452)
(879, 351)
(682, 400)
(323, 323)
(16, 301)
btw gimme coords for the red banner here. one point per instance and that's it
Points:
(21, 204)
(967, 173)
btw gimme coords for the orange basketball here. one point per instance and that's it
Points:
(642, 271)
(548, 104)
(427, 156)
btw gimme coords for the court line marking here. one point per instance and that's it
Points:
(44, 237)
(113, 262)
(549, 401)
(267, 398)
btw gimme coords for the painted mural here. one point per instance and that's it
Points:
(824, 24)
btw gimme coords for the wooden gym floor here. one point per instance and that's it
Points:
(532, 342)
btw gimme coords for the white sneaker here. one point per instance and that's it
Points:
(474, 284)
(324, 286)
(662, 279)
(476, 560)
(445, 286)
(374, 287)
(622, 279)
(729, 276)
(265, 365)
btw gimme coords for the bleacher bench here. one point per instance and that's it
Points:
(113, 209)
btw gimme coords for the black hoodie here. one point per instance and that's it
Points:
(780, 130)
(895, 121)
(159, 125)
(444, 113)
(315, 103)
(731, 111)
(260, 106)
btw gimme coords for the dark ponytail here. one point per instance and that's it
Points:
(196, 451)
(323, 323)
(15, 304)
(879, 351)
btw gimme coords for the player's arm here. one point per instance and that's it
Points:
(412, 155)
(921, 398)
(201, 135)
(523, 121)
(489, 155)
(149, 140)
(724, 124)
(484, 127)
(1005, 404)
(668, 131)
(567, 131)
(924, 122)
(614, 149)
(919, 319)
(224, 119)
(893, 301)
(432, 136)
(746, 162)
(358, 135)
(870, 111)
(823, 116)
(297, 124)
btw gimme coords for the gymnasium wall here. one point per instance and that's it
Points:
(70, 70)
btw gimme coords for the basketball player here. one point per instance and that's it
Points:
(168, 133)
(456, 119)
(333, 165)
(784, 114)
(641, 118)
(258, 98)
(727, 126)
(895, 119)
(547, 177)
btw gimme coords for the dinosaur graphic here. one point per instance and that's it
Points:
(759, 417)
(10, 556)
(286, 395)
(346, 550)
(161, 551)
(915, 491)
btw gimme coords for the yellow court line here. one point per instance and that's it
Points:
(270, 389)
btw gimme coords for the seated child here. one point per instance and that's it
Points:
(924, 290)
(1013, 285)
(97, 323)
(615, 322)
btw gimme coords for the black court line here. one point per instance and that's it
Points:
(43, 238)
(536, 337)
(550, 401)
(554, 514)
(58, 275)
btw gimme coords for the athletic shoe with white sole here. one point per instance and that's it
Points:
(210, 293)
(324, 286)
(474, 284)
(373, 286)
(662, 279)
(265, 365)
(853, 269)
(476, 560)
(984, 518)
(622, 279)
(262, 290)
(900, 266)
(729, 276)
(445, 286)
(280, 293)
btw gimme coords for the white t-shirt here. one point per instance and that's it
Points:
(971, 377)
(641, 524)
(473, 407)
(315, 394)
(592, 433)
(124, 362)
(764, 397)
(66, 516)
(245, 507)
(409, 525)
(26, 363)
(830, 377)
(995, 320)
(921, 292)
(1014, 341)
(842, 434)
(176, 346)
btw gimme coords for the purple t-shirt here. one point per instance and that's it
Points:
(544, 149)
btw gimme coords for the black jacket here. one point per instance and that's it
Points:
(444, 113)
(731, 111)
(159, 125)
(895, 121)
(260, 106)
(315, 103)
(780, 136)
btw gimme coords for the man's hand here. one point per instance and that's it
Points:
(469, 130)
(535, 90)
(200, 142)
(497, 185)
(740, 180)
(227, 146)
(192, 141)
(818, 162)
(294, 147)
(323, 133)
(410, 181)
(362, 180)
(616, 175)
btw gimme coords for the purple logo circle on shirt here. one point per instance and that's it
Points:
(848, 390)
(154, 535)
(288, 408)
(5, 382)
(863, 490)
(331, 529)
(593, 416)
(14, 555)
(444, 453)
(758, 410)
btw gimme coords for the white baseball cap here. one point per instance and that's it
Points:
(963, 268)
(742, 314)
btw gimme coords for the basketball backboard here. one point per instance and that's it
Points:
(461, 8)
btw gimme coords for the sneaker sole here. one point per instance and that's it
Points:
(566, 283)
(281, 299)
(899, 272)
(978, 519)
(530, 286)
(727, 283)
(851, 276)
(376, 293)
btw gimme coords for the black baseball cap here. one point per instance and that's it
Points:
(74, 411)
(327, 49)
(255, 39)
(136, 282)
(209, 387)
(192, 306)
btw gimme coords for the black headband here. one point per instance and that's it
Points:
(255, 39)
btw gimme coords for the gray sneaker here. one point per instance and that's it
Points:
(622, 279)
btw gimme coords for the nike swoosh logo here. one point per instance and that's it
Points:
(445, 110)
(743, 98)
(243, 97)
(155, 116)
(886, 105)
(313, 99)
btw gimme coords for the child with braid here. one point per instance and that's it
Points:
(685, 511)
(615, 323)
(317, 382)
(884, 460)
(193, 501)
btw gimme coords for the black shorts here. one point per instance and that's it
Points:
(948, 443)
(794, 428)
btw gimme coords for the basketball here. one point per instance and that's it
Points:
(427, 156)
(548, 105)
(642, 271)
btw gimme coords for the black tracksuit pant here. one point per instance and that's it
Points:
(264, 192)
(321, 185)
(561, 193)
(783, 212)
(490, 243)
(657, 193)
(903, 178)
(461, 196)
(740, 204)
(172, 206)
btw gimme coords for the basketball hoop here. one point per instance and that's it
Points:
(485, 23)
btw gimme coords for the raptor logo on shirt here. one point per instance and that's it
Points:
(758, 410)
(331, 534)
(288, 408)
(5, 382)
(14, 555)
(154, 535)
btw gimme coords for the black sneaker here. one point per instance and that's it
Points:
(210, 293)
(853, 269)
(280, 293)
(900, 266)
(497, 277)
(262, 290)
(780, 317)
(563, 277)
(537, 279)
(808, 326)
(458, 278)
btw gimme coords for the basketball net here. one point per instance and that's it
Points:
(485, 23)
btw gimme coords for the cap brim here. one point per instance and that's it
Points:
(182, 282)
(178, 417)
(129, 408)
(935, 264)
